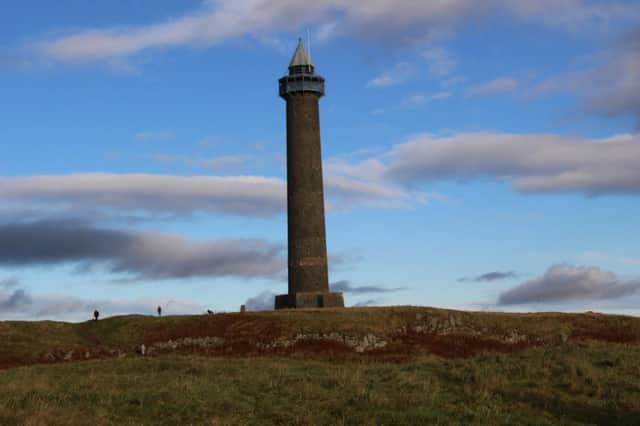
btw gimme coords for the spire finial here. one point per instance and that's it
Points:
(300, 57)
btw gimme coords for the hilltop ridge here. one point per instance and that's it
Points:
(396, 333)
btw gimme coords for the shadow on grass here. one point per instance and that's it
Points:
(577, 411)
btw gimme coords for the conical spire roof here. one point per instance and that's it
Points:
(300, 57)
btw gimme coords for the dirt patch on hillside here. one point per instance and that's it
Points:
(454, 345)
(9, 363)
(320, 348)
(231, 327)
(600, 328)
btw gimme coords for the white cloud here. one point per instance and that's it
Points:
(568, 283)
(156, 194)
(22, 305)
(609, 89)
(219, 20)
(573, 15)
(531, 162)
(349, 192)
(363, 184)
(498, 85)
(136, 255)
(146, 195)
(327, 31)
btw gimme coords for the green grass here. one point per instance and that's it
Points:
(594, 384)
(571, 369)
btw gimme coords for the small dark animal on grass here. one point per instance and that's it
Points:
(96, 314)
(209, 311)
(159, 311)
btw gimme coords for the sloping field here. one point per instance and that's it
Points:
(396, 365)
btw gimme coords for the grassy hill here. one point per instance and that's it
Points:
(396, 365)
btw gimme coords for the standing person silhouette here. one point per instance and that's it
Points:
(159, 311)
(96, 314)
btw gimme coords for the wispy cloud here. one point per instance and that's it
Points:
(365, 303)
(347, 192)
(264, 301)
(400, 73)
(224, 162)
(9, 63)
(9, 282)
(563, 283)
(491, 276)
(215, 22)
(440, 61)
(609, 89)
(198, 162)
(600, 256)
(15, 302)
(421, 99)
(348, 287)
(499, 85)
(157, 136)
(175, 159)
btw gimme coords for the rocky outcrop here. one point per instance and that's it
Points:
(360, 344)
(78, 354)
(194, 343)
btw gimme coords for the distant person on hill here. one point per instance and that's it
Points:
(96, 314)
(159, 311)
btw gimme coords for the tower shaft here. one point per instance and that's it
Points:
(305, 197)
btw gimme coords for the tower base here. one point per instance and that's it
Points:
(310, 300)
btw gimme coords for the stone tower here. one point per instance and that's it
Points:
(308, 275)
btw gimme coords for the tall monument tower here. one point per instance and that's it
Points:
(308, 275)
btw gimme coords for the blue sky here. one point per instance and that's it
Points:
(477, 154)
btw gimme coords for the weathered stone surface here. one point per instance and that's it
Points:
(310, 300)
(360, 344)
(305, 197)
(515, 337)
